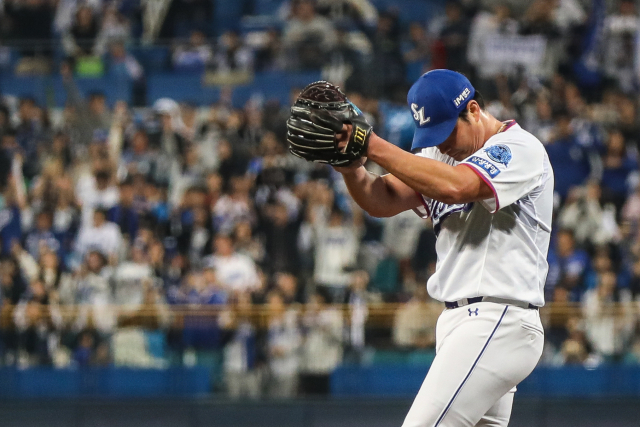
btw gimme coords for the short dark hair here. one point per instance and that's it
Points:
(476, 97)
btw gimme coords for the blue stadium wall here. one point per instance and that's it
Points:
(345, 412)
(367, 397)
(346, 382)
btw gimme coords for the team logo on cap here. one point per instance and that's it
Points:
(418, 115)
(499, 153)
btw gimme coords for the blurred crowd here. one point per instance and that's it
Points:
(152, 236)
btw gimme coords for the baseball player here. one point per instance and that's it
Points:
(488, 187)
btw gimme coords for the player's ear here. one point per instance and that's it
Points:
(474, 109)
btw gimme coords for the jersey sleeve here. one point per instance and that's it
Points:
(511, 166)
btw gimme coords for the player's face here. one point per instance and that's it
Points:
(466, 138)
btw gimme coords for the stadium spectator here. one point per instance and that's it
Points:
(242, 354)
(114, 30)
(567, 266)
(627, 121)
(85, 117)
(80, 40)
(400, 236)
(167, 138)
(248, 244)
(620, 29)
(358, 299)
(232, 54)
(413, 326)
(37, 322)
(286, 285)
(236, 272)
(52, 275)
(102, 235)
(13, 283)
(193, 56)
(591, 221)
(83, 355)
(280, 230)
(42, 238)
(122, 64)
(11, 228)
(30, 132)
(620, 170)
(321, 347)
(417, 51)
(607, 332)
(575, 350)
(453, 38)
(130, 344)
(269, 54)
(130, 279)
(198, 236)
(308, 37)
(567, 155)
(541, 19)
(344, 62)
(283, 343)
(125, 214)
(387, 70)
(487, 24)
(138, 158)
(235, 206)
(540, 121)
(336, 247)
(96, 191)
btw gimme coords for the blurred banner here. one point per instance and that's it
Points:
(527, 51)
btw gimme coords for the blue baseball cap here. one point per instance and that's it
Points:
(436, 100)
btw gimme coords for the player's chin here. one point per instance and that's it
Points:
(458, 156)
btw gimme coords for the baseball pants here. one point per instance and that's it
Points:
(483, 351)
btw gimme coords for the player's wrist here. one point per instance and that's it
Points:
(374, 145)
(353, 168)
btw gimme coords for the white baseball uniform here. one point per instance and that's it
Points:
(495, 249)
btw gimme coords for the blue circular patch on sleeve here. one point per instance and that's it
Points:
(499, 153)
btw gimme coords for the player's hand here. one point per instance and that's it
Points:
(343, 136)
(343, 139)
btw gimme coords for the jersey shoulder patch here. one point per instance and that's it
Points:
(491, 169)
(499, 153)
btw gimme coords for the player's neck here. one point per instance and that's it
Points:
(492, 126)
(497, 126)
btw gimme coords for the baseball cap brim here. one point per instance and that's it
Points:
(433, 135)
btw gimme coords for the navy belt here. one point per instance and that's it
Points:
(467, 301)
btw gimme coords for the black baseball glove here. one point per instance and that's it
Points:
(317, 118)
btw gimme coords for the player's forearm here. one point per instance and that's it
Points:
(372, 193)
(434, 179)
